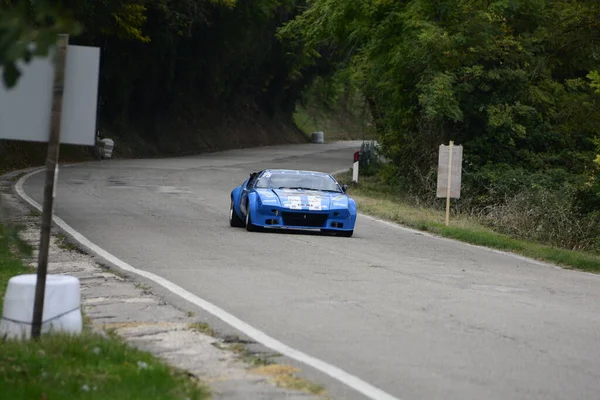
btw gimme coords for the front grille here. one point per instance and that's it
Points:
(304, 219)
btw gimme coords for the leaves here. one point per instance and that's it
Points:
(515, 81)
(594, 77)
(484, 72)
(28, 31)
(128, 22)
(10, 239)
(437, 98)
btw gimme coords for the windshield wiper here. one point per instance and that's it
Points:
(307, 188)
(297, 188)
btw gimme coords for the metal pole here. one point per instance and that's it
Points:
(450, 149)
(49, 192)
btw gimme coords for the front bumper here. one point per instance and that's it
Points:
(278, 218)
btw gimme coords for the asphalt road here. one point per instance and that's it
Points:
(416, 316)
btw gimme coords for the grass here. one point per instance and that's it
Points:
(335, 125)
(202, 328)
(88, 366)
(145, 288)
(246, 355)
(34, 213)
(84, 366)
(379, 201)
(285, 376)
(9, 267)
(63, 243)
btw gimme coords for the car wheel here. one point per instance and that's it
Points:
(345, 233)
(249, 226)
(234, 220)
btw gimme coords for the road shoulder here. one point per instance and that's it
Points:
(118, 304)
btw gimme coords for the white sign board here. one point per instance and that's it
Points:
(25, 109)
(442, 176)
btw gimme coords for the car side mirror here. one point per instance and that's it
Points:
(344, 188)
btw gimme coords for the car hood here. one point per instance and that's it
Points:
(303, 199)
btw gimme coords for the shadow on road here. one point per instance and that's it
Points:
(305, 232)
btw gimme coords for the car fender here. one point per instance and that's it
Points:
(352, 210)
(235, 198)
(352, 206)
(253, 202)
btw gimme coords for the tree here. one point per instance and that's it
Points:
(29, 30)
(500, 77)
(512, 81)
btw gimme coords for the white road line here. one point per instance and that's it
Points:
(346, 378)
(466, 244)
(461, 243)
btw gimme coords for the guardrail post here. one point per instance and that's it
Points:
(355, 167)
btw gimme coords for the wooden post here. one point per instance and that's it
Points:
(49, 189)
(449, 183)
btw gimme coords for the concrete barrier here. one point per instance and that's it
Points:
(62, 310)
(318, 137)
(108, 146)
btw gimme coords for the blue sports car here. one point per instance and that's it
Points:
(292, 199)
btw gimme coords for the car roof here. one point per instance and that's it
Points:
(296, 172)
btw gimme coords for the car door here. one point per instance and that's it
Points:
(246, 189)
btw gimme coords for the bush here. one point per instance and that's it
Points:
(545, 216)
(552, 206)
(495, 185)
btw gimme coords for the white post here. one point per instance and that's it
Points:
(355, 167)
(355, 172)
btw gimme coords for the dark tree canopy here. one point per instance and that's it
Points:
(172, 60)
(517, 82)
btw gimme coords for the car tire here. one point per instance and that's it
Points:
(345, 233)
(250, 227)
(234, 220)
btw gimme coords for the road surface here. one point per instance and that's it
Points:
(415, 316)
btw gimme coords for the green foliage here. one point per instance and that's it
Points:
(594, 77)
(88, 365)
(128, 21)
(515, 82)
(9, 239)
(383, 201)
(483, 74)
(164, 59)
(10, 264)
(166, 64)
(546, 216)
(29, 30)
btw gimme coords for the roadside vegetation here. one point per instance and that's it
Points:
(178, 77)
(515, 83)
(374, 197)
(335, 107)
(11, 247)
(84, 366)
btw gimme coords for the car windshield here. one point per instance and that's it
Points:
(306, 181)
